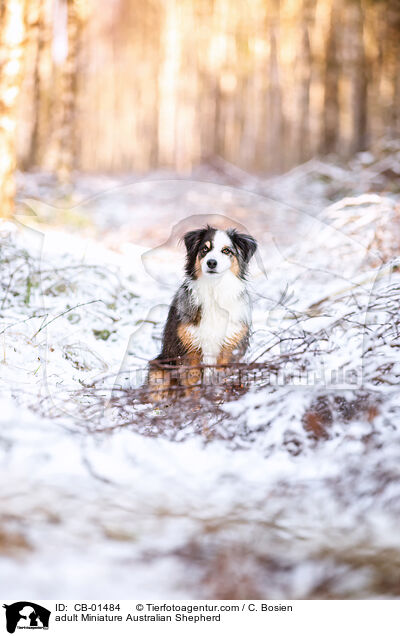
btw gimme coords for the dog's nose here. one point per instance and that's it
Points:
(212, 263)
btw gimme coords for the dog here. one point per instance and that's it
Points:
(209, 318)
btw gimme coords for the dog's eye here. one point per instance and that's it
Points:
(226, 250)
(203, 251)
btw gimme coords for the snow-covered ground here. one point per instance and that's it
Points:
(288, 489)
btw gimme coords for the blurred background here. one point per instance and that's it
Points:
(134, 85)
(124, 123)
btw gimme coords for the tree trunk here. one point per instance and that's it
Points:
(275, 129)
(359, 80)
(33, 158)
(330, 132)
(12, 39)
(69, 83)
(305, 62)
(168, 85)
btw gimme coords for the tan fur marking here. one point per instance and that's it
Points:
(160, 381)
(197, 267)
(226, 353)
(189, 377)
(191, 373)
(186, 338)
(235, 266)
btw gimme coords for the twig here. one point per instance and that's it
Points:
(19, 322)
(10, 281)
(66, 312)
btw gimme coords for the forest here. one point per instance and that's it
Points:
(123, 125)
(130, 86)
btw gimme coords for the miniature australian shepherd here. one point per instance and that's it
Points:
(209, 318)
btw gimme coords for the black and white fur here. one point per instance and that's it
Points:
(209, 318)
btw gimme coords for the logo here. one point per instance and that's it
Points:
(26, 615)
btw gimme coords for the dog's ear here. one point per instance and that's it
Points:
(245, 243)
(192, 239)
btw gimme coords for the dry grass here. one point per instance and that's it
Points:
(13, 543)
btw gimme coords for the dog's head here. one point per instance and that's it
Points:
(212, 252)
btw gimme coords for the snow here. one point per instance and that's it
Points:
(290, 489)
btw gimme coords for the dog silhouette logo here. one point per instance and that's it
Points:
(26, 615)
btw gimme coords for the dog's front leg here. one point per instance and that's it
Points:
(159, 382)
(191, 374)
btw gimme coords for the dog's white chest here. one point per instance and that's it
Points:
(224, 310)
